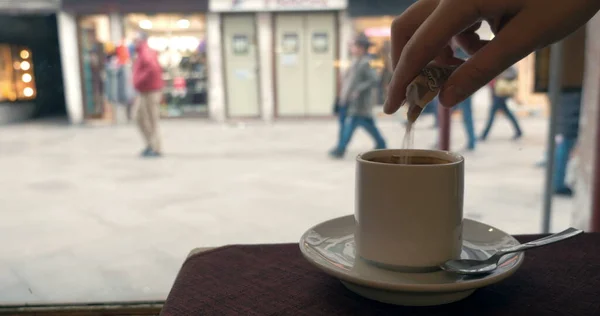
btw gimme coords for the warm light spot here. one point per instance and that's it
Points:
(183, 24)
(28, 92)
(25, 65)
(26, 78)
(24, 54)
(145, 24)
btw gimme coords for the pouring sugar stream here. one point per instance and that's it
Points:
(422, 90)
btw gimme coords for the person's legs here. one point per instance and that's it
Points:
(504, 107)
(368, 123)
(348, 131)
(561, 157)
(153, 118)
(467, 113)
(141, 118)
(342, 113)
(433, 109)
(490, 121)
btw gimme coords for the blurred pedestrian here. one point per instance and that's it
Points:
(147, 80)
(503, 88)
(569, 111)
(355, 96)
(433, 108)
(465, 106)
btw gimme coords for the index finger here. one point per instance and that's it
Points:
(447, 19)
(406, 24)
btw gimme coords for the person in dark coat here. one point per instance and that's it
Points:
(466, 107)
(355, 99)
(567, 126)
(499, 104)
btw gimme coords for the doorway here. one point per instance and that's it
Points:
(306, 50)
(241, 65)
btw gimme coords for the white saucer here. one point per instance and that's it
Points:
(330, 247)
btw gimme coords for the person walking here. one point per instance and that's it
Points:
(148, 82)
(466, 106)
(568, 132)
(355, 96)
(504, 87)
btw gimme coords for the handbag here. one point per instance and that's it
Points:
(505, 88)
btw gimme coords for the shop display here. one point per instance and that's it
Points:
(179, 42)
(17, 81)
(106, 63)
(377, 29)
(93, 35)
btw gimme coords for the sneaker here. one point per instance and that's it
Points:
(336, 154)
(146, 151)
(151, 154)
(540, 164)
(517, 136)
(567, 192)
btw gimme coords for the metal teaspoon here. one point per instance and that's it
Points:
(474, 267)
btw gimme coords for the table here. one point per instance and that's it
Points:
(561, 279)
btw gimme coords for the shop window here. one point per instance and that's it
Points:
(94, 39)
(377, 29)
(179, 41)
(17, 82)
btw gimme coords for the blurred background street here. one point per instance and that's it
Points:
(240, 103)
(95, 223)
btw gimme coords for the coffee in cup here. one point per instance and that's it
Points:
(409, 160)
(409, 215)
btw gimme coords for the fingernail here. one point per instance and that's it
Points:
(386, 107)
(451, 95)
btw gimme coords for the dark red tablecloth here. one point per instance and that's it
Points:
(561, 279)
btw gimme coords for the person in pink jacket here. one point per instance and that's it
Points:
(148, 82)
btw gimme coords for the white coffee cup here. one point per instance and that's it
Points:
(409, 216)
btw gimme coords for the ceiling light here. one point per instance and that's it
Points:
(145, 24)
(25, 65)
(183, 24)
(26, 78)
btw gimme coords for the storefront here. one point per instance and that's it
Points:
(28, 39)
(17, 82)
(105, 33)
(374, 18)
(179, 40)
(279, 57)
(377, 29)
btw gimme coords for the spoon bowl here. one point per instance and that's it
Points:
(468, 266)
(477, 267)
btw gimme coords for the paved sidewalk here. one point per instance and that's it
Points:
(84, 219)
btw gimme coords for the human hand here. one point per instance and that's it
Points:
(424, 31)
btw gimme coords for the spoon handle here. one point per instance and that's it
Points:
(565, 234)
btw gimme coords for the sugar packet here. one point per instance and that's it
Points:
(425, 87)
